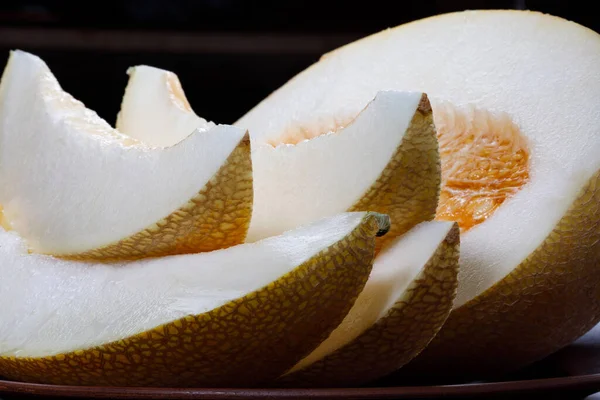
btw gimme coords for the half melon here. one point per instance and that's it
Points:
(384, 159)
(404, 304)
(515, 98)
(234, 317)
(75, 187)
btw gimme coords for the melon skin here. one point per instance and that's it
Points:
(246, 342)
(547, 302)
(408, 188)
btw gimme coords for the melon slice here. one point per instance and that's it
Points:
(75, 187)
(405, 302)
(515, 99)
(234, 317)
(155, 108)
(381, 158)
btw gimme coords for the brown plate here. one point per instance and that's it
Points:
(573, 372)
(576, 385)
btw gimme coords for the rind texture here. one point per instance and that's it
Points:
(549, 300)
(408, 188)
(216, 218)
(245, 342)
(396, 338)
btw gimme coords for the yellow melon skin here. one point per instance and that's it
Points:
(409, 186)
(397, 337)
(549, 300)
(246, 342)
(216, 218)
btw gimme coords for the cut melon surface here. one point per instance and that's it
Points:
(73, 186)
(383, 157)
(405, 302)
(515, 99)
(237, 316)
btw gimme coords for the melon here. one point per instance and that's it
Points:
(383, 159)
(413, 284)
(515, 98)
(234, 317)
(75, 187)
(404, 304)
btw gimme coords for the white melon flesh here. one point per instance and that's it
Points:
(71, 183)
(539, 71)
(155, 107)
(297, 178)
(59, 306)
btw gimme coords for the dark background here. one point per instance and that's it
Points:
(229, 54)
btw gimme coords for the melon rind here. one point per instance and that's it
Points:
(409, 186)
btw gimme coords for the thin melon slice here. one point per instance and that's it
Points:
(515, 99)
(381, 158)
(234, 317)
(73, 186)
(404, 304)
(155, 108)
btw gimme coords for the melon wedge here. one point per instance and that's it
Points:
(381, 158)
(75, 187)
(404, 304)
(515, 99)
(234, 317)
(155, 108)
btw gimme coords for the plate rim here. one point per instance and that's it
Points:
(582, 382)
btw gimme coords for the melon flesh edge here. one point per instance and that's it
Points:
(110, 186)
(394, 270)
(548, 85)
(59, 306)
(154, 107)
(295, 184)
